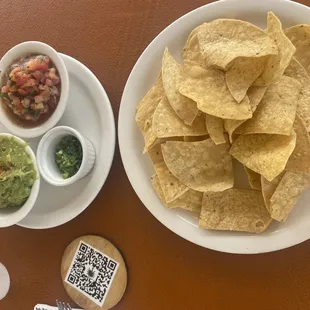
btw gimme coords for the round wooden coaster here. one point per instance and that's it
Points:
(93, 273)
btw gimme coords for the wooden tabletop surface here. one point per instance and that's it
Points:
(164, 270)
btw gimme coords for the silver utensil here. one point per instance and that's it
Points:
(48, 307)
(62, 305)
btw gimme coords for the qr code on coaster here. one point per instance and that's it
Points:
(91, 273)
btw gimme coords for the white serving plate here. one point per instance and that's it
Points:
(138, 167)
(89, 111)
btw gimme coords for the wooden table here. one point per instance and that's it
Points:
(165, 271)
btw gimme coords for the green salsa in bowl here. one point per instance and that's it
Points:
(65, 156)
(68, 156)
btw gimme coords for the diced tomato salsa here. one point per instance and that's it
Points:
(32, 87)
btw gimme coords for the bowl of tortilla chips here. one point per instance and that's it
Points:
(220, 150)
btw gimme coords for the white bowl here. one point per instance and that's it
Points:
(13, 215)
(138, 166)
(46, 156)
(34, 47)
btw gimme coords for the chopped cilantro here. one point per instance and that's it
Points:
(34, 113)
(68, 156)
(4, 95)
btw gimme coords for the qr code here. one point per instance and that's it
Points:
(91, 273)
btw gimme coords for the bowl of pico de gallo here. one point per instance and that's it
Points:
(34, 89)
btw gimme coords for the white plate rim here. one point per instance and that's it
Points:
(299, 237)
(107, 163)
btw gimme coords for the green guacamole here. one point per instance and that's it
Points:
(17, 173)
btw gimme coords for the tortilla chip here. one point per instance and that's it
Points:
(264, 154)
(157, 187)
(215, 128)
(234, 209)
(276, 112)
(290, 188)
(154, 93)
(300, 37)
(145, 112)
(276, 64)
(194, 139)
(202, 166)
(299, 161)
(191, 51)
(268, 188)
(172, 188)
(223, 40)
(184, 107)
(190, 200)
(242, 73)
(155, 152)
(208, 88)
(255, 94)
(230, 126)
(167, 124)
(253, 178)
(298, 72)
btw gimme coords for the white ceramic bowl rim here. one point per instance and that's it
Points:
(11, 218)
(138, 169)
(35, 47)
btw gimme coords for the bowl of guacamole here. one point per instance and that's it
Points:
(19, 179)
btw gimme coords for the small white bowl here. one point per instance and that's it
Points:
(46, 156)
(13, 215)
(21, 50)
